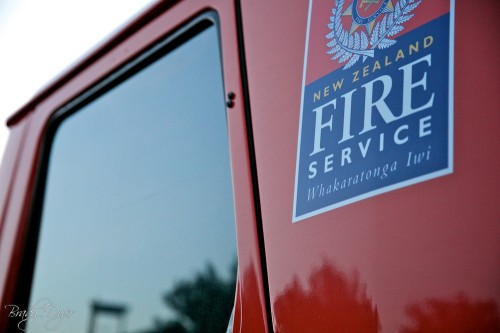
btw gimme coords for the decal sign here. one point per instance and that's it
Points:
(376, 111)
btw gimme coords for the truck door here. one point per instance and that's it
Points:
(141, 185)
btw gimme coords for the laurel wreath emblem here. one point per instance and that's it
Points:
(351, 47)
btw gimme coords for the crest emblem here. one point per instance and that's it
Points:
(380, 19)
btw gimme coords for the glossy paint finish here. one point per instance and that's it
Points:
(425, 258)
(20, 164)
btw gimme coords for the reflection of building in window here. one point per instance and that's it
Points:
(116, 310)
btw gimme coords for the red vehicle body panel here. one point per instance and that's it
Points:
(377, 261)
(424, 258)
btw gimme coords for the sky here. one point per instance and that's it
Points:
(40, 39)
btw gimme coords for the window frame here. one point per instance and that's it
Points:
(128, 70)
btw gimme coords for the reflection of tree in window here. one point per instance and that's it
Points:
(202, 304)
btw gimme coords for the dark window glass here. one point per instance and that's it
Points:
(137, 227)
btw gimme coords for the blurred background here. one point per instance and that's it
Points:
(40, 39)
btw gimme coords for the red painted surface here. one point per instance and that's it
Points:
(424, 258)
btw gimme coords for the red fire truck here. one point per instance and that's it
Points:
(262, 166)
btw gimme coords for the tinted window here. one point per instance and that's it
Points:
(137, 227)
